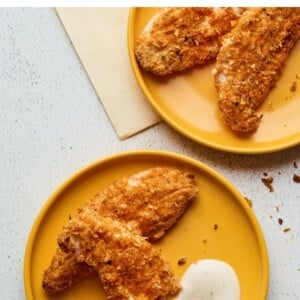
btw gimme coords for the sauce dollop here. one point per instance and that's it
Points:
(209, 279)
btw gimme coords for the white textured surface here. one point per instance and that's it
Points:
(52, 124)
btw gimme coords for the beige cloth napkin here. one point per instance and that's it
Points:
(99, 36)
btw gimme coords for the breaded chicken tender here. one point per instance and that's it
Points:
(147, 203)
(250, 62)
(176, 39)
(128, 266)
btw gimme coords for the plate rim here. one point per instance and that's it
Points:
(186, 160)
(140, 81)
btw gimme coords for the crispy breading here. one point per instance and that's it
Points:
(148, 203)
(176, 39)
(250, 62)
(128, 266)
(63, 272)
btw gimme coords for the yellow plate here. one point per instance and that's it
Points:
(238, 240)
(188, 102)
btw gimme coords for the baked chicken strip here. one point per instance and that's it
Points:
(128, 266)
(148, 203)
(250, 62)
(176, 39)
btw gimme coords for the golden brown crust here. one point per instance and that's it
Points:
(250, 62)
(128, 266)
(147, 203)
(63, 272)
(176, 39)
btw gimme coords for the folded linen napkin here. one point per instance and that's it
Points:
(99, 36)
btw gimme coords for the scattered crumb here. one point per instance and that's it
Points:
(280, 221)
(279, 173)
(293, 87)
(181, 261)
(268, 183)
(249, 201)
(295, 165)
(296, 178)
(265, 174)
(216, 226)
(271, 217)
(204, 239)
(277, 208)
(286, 229)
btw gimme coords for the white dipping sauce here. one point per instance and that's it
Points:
(209, 279)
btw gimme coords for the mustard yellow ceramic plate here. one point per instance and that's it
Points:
(188, 102)
(219, 225)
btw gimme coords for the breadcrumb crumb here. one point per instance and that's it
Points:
(296, 178)
(268, 183)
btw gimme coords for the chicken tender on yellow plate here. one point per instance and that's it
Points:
(147, 203)
(176, 39)
(250, 62)
(128, 266)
